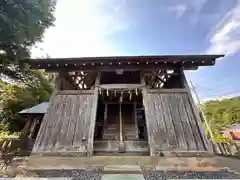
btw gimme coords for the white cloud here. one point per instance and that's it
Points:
(222, 96)
(179, 9)
(80, 29)
(182, 6)
(225, 38)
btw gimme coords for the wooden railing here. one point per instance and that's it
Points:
(9, 144)
(227, 149)
(121, 143)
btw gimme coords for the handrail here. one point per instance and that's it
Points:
(121, 143)
(120, 123)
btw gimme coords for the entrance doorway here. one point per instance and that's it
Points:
(120, 124)
(128, 114)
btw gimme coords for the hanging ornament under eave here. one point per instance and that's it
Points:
(121, 97)
(130, 95)
(136, 90)
(107, 93)
(115, 93)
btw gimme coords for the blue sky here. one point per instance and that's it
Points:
(159, 27)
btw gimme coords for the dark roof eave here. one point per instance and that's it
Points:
(116, 58)
(145, 61)
(31, 114)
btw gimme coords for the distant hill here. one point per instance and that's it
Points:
(221, 114)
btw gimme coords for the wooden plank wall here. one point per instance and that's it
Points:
(65, 127)
(171, 123)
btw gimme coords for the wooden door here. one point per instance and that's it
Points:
(171, 123)
(67, 125)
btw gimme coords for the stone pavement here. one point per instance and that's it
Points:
(128, 167)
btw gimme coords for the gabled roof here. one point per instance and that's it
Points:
(118, 62)
(38, 109)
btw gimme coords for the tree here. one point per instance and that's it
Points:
(222, 114)
(17, 97)
(23, 23)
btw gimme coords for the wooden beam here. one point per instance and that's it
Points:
(93, 115)
(167, 90)
(74, 92)
(33, 127)
(127, 59)
(159, 74)
(147, 117)
(207, 143)
(120, 86)
(124, 102)
(111, 68)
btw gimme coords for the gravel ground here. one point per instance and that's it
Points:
(161, 175)
(96, 174)
(76, 174)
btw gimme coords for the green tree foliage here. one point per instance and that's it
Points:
(22, 24)
(17, 97)
(221, 114)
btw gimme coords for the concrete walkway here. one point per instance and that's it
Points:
(229, 162)
(122, 177)
(131, 167)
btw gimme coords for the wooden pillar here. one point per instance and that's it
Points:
(33, 127)
(38, 145)
(147, 117)
(24, 133)
(206, 142)
(93, 116)
(25, 130)
(58, 82)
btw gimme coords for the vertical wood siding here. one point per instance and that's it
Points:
(172, 124)
(65, 127)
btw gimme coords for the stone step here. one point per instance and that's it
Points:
(112, 127)
(130, 146)
(130, 134)
(129, 130)
(130, 138)
(109, 137)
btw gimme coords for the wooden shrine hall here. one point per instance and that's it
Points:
(137, 105)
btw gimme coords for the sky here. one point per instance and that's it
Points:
(154, 27)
